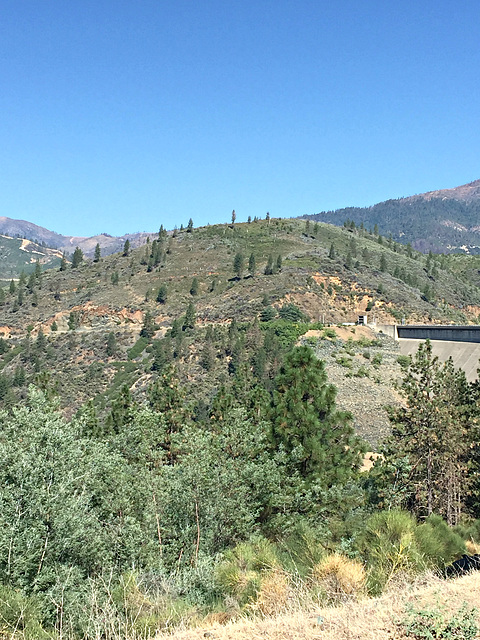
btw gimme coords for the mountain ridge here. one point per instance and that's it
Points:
(109, 244)
(442, 221)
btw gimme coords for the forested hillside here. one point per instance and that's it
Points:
(440, 221)
(172, 447)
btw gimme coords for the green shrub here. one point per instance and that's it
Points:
(432, 624)
(388, 546)
(240, 574)
(329, 333)
(404, 361)
(377, 359)
(438, 543)
(19, 613)
(137, 349)
(393, 542)
(344, 362)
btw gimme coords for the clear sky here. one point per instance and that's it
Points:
(120, 116)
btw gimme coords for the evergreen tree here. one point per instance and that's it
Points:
(77, 258)
(190, 226)
(435, 433)
(190, 317)
(162, 354)
(318, 439)
(12, 288)
(162, 294)
(234, 216)
(332, 253)
(149, 327)
(207, 359)
(63, 262)
(32, 281)
(383, 263)
(126, 248)
(194, 287)
(279, 262)
(97, 254)
(111, 344)
(41, 341)
(238, 265)
(269, 266)
(252, 265)
(38, 272)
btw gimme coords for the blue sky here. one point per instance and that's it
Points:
(120, 116)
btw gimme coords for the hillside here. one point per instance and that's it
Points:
(41, 236)
(18, 254)
(367, 619)
(78, 330)
(447, 220)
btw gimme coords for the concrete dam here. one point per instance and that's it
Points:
(459, 342)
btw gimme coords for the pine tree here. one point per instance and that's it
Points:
(238, 265)
(190, 317)
(38, 272)
(111, 344)
(318, 439)
(252, 265)
(126, 248)
(269, 266)
(332, 254)
(383, 263)
(63, 262)
(194, 287)
(435, 433)
(12, 288)
(162, 294)
(149, 327)
(77, 258)
(279, 262)
(97, 254)
(234, 216)
(190, 226)
(41, 341)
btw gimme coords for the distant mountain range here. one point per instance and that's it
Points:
(40, 235)
(443, 221)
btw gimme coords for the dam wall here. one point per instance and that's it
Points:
(461, 343)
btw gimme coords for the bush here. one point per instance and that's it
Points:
(329, 333)
(389, 547)
(434, 623)
(19, 613)
(393, 543)
(341, 577)
(404, 361)
(240, 574)
(292, 313)
(377, 359)
(439, 544)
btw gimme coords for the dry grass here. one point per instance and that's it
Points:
(369, 619)
(341, 577)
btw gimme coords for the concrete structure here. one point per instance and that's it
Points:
(460, 343)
